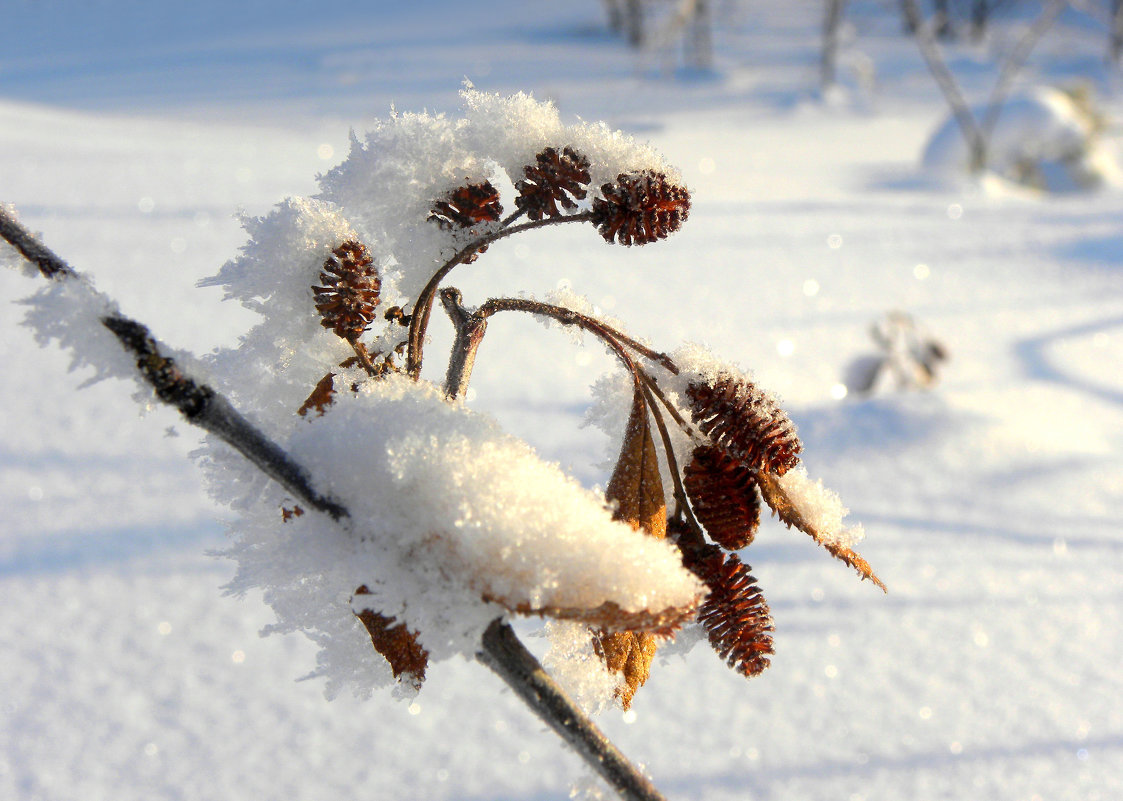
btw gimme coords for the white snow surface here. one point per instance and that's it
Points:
(991, 502)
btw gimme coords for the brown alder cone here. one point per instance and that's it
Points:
(724, 497)
(556, 178)
(350, 290)
(640, 208)
(735, 615)
(746, 422)
(790, 516)
(407, 657)
(637, 489)
(467, 206)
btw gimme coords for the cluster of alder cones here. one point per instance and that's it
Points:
(745, 442)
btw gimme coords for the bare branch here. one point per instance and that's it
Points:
(200, 404)
(934, 59)
(1014, 62)
(508, 657)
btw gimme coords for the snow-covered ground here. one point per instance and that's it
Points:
(993, 668)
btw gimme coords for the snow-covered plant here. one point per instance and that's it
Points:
(394, 526)
(909, 357)
(1043, 138)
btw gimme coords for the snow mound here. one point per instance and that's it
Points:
(1045, 138)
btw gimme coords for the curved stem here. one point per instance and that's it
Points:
(423, 308)
(570, 317)
(682, 505)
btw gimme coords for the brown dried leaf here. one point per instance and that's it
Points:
(609, 616)
(629, 653)
(636, 485)
(637, 489)
(407, 657)
(790, 516)
(321, 397)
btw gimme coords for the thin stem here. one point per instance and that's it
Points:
(584, 321)
(363, 356)
(510, 218)
(508, 657)
(682, 506)
(423, 308)
(678, 418)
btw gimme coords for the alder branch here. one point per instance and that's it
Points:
(508, 657)
(202, 406)
(502, 650)
(199, 404)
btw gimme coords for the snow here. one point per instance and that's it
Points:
(991, 502)
(454, 523)
(1043, 137)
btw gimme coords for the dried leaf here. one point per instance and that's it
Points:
(636, 485)
(629, 653)
(609, 616)
(789, 514)
(637, 489)
(321, 397)
(407, 657)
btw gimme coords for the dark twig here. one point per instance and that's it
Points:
(571, 317)
(1014, 62)
(930, 51)
(508, 657)
(199, 404)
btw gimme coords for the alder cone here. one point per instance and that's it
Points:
(349, 292)
(724, 496)
(555, 179)
(640, 208)
(467, 206)
(735, 615)
(746, 423)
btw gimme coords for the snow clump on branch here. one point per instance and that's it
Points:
(453, 524)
